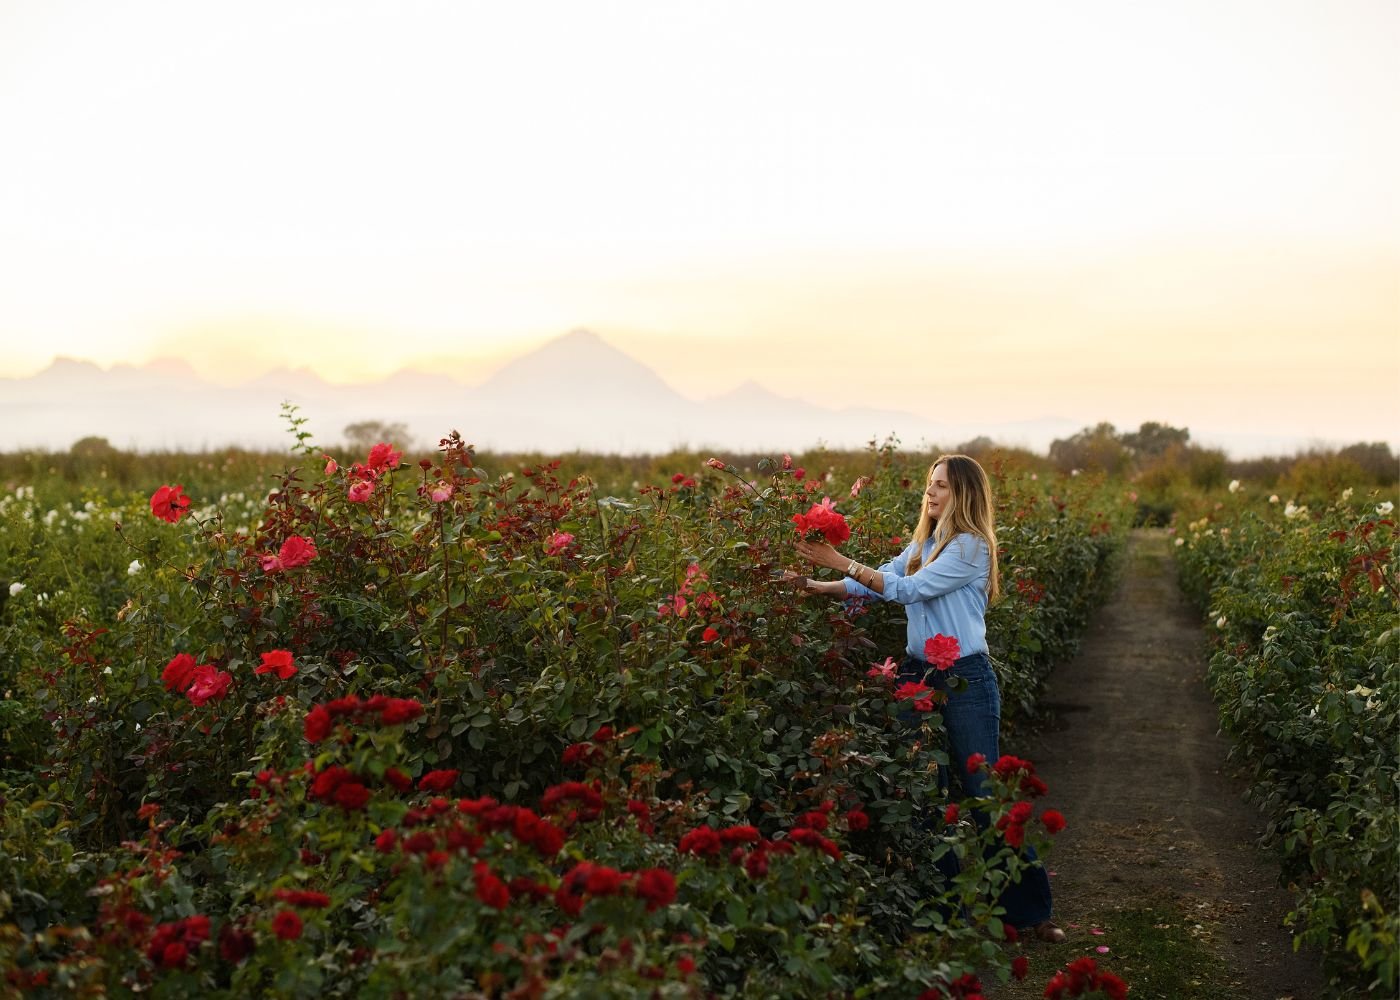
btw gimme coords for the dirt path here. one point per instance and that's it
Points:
(1156, 818)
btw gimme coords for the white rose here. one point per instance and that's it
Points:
(1180, 541)
(1234, 486)
(1385, 508)
(134, 568)
(15, 588)
(1220, 622)
(1346, 494)
(1274, 498)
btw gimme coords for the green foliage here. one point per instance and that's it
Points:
(1303, 602)
(526, 610)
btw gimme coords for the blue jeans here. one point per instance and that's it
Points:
(972, 719)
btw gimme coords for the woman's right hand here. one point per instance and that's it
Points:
(798, 580)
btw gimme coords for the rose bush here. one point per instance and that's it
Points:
(424, 728)
(1302, 606)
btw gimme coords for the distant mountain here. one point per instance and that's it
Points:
(576, 392)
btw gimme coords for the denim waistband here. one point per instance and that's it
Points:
(961, 661)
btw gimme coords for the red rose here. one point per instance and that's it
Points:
(397, 711)
(823, 519)
(398, 779)
(287, 925)
(657, 886)
(811, 838)
(709, 635)
(329, 780)
(1020, 965)
(1007, 765)
(489, 888)
(383, 456)
(857, 820)
(296, 551)
(351, 796)
(169, 503)
(942, 651)
(702, 841)
(1053, 820)
(578, 753)
(278, 661)
(317, 725)
(386, 841)
(950, 814)
(974, 761)
(209, 684)
(744, 834)
(438, 781)
(178, 674)
(604, 881)
(1114, 987)
(911, 691)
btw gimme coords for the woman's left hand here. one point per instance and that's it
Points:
(821, 554)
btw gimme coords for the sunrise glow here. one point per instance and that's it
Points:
(1094, 211)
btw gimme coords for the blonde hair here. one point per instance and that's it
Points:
(969, 510)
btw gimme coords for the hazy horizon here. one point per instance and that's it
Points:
(618, 389)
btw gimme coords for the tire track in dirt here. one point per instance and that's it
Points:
(1133, 757)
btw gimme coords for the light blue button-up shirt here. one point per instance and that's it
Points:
(947, 596)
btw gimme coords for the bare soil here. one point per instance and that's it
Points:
(1156, 818)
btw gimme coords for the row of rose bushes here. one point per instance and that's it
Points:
(519, 614)
(1303, 607)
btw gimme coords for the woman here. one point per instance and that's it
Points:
(944, 578)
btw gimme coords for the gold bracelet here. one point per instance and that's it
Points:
(851, 571)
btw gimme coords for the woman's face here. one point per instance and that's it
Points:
(937, 494)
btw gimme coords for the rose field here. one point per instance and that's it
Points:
(454, 725)
(1306, 672)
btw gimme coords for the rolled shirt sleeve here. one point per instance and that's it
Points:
(965, 560)
(896, 566)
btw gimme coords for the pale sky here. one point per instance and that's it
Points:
(1180, 211)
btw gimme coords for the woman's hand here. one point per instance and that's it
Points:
(822, 554)
(797, 580)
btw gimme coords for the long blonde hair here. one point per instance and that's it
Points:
(969, 510)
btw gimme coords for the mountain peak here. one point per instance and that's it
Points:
(64, 365)
(579, 363)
